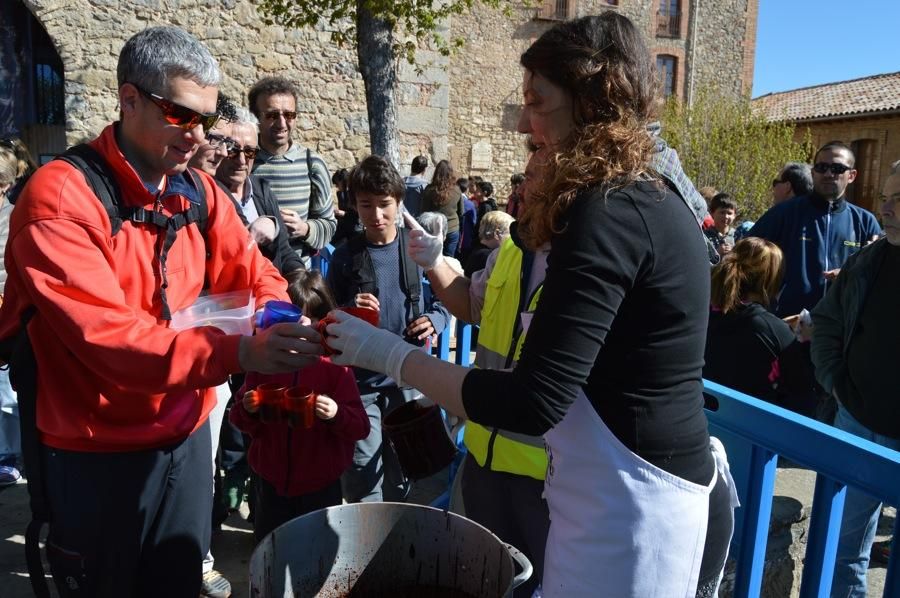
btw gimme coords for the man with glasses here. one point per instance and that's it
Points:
(818, 231)
(299, 177)
(122, 399)
(794, 180)
(254, 195)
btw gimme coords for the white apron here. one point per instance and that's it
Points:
(620, 527)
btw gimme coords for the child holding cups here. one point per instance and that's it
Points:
(303, 425)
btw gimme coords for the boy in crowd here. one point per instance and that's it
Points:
(723, 210)
(373, 270)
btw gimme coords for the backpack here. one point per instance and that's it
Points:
(18, 353)
(361, 271)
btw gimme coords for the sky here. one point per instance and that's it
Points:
(808, 42)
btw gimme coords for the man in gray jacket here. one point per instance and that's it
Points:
(856, 339)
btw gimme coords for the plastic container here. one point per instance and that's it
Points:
(300, 407)
(277, 312)
(232, 313)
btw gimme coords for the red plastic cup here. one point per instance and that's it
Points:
(300, 407)
(363, 313)
(271, 396)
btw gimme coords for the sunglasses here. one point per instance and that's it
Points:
(181, 116)
(215, 141)
(248, 151)
(835, 168)
(274, 114)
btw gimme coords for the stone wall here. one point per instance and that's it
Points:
(445, 108)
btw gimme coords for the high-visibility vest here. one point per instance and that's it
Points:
(499, 345)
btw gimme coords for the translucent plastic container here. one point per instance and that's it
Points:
(229, 312)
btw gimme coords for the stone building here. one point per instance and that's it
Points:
(863, 113)
(58, 80)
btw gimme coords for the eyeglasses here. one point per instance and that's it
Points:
(248, 151)
(215, 141)
(835, 168)
(274, 114)
(181, 116)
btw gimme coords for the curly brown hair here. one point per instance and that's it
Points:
(602, 62)
(753, 270)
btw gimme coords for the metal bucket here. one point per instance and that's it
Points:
(378, 550)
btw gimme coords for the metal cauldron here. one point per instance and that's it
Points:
(375, 550)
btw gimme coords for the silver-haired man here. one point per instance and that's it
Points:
(122, 399)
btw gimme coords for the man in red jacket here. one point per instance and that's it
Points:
(122, 399)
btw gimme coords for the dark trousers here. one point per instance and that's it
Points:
(272, 510)
(513, 508)
(131, 523)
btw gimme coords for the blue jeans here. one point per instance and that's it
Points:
(451, 241)
(10, 445)
(861, 512)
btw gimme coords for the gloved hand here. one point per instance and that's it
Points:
(425, 250)
(363, 345)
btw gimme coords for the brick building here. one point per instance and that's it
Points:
(864, 113)
(58, 58)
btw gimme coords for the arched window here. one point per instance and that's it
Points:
(667, 66)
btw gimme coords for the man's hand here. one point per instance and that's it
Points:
(724, 249)
(420, 328)
(832, 274)
(279, 348)
(297, 226)
(367, 300)
(263, 231)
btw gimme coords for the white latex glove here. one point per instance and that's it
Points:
(424, 249)
(363, 345)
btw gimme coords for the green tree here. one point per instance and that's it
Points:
(374, 27)
(724, 143)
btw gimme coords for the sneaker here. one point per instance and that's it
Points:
(215, 585)
(9, 475)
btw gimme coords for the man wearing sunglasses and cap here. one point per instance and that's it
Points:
(122, 399)
(817, 232)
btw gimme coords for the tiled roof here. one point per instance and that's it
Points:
(868, 95)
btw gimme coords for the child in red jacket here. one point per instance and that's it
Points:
(298, 470)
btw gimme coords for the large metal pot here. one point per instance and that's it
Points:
(376, 550)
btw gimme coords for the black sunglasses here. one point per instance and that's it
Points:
(181, 116)
(835, 168)
(248, 151)
(274, 114)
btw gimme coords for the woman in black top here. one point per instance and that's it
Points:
(610, 371)
(443, 196)
(748, 348)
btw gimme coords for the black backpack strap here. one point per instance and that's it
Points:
(412, 282)
(102, 182)
(202, 214)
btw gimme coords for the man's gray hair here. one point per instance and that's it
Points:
(244, 117)
(434, 223)
(895, 168)
(799, 175)
(156, 55)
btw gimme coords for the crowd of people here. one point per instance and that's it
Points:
(605, 288)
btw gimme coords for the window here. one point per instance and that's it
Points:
(556, 10)
(862, 191)
(49, 94)
(666, 66)
(668, 19)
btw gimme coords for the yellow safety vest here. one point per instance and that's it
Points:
(494, 448)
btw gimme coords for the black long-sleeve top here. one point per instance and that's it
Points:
(623, 316)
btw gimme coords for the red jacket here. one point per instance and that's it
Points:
(297, 461)
(111, 375)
